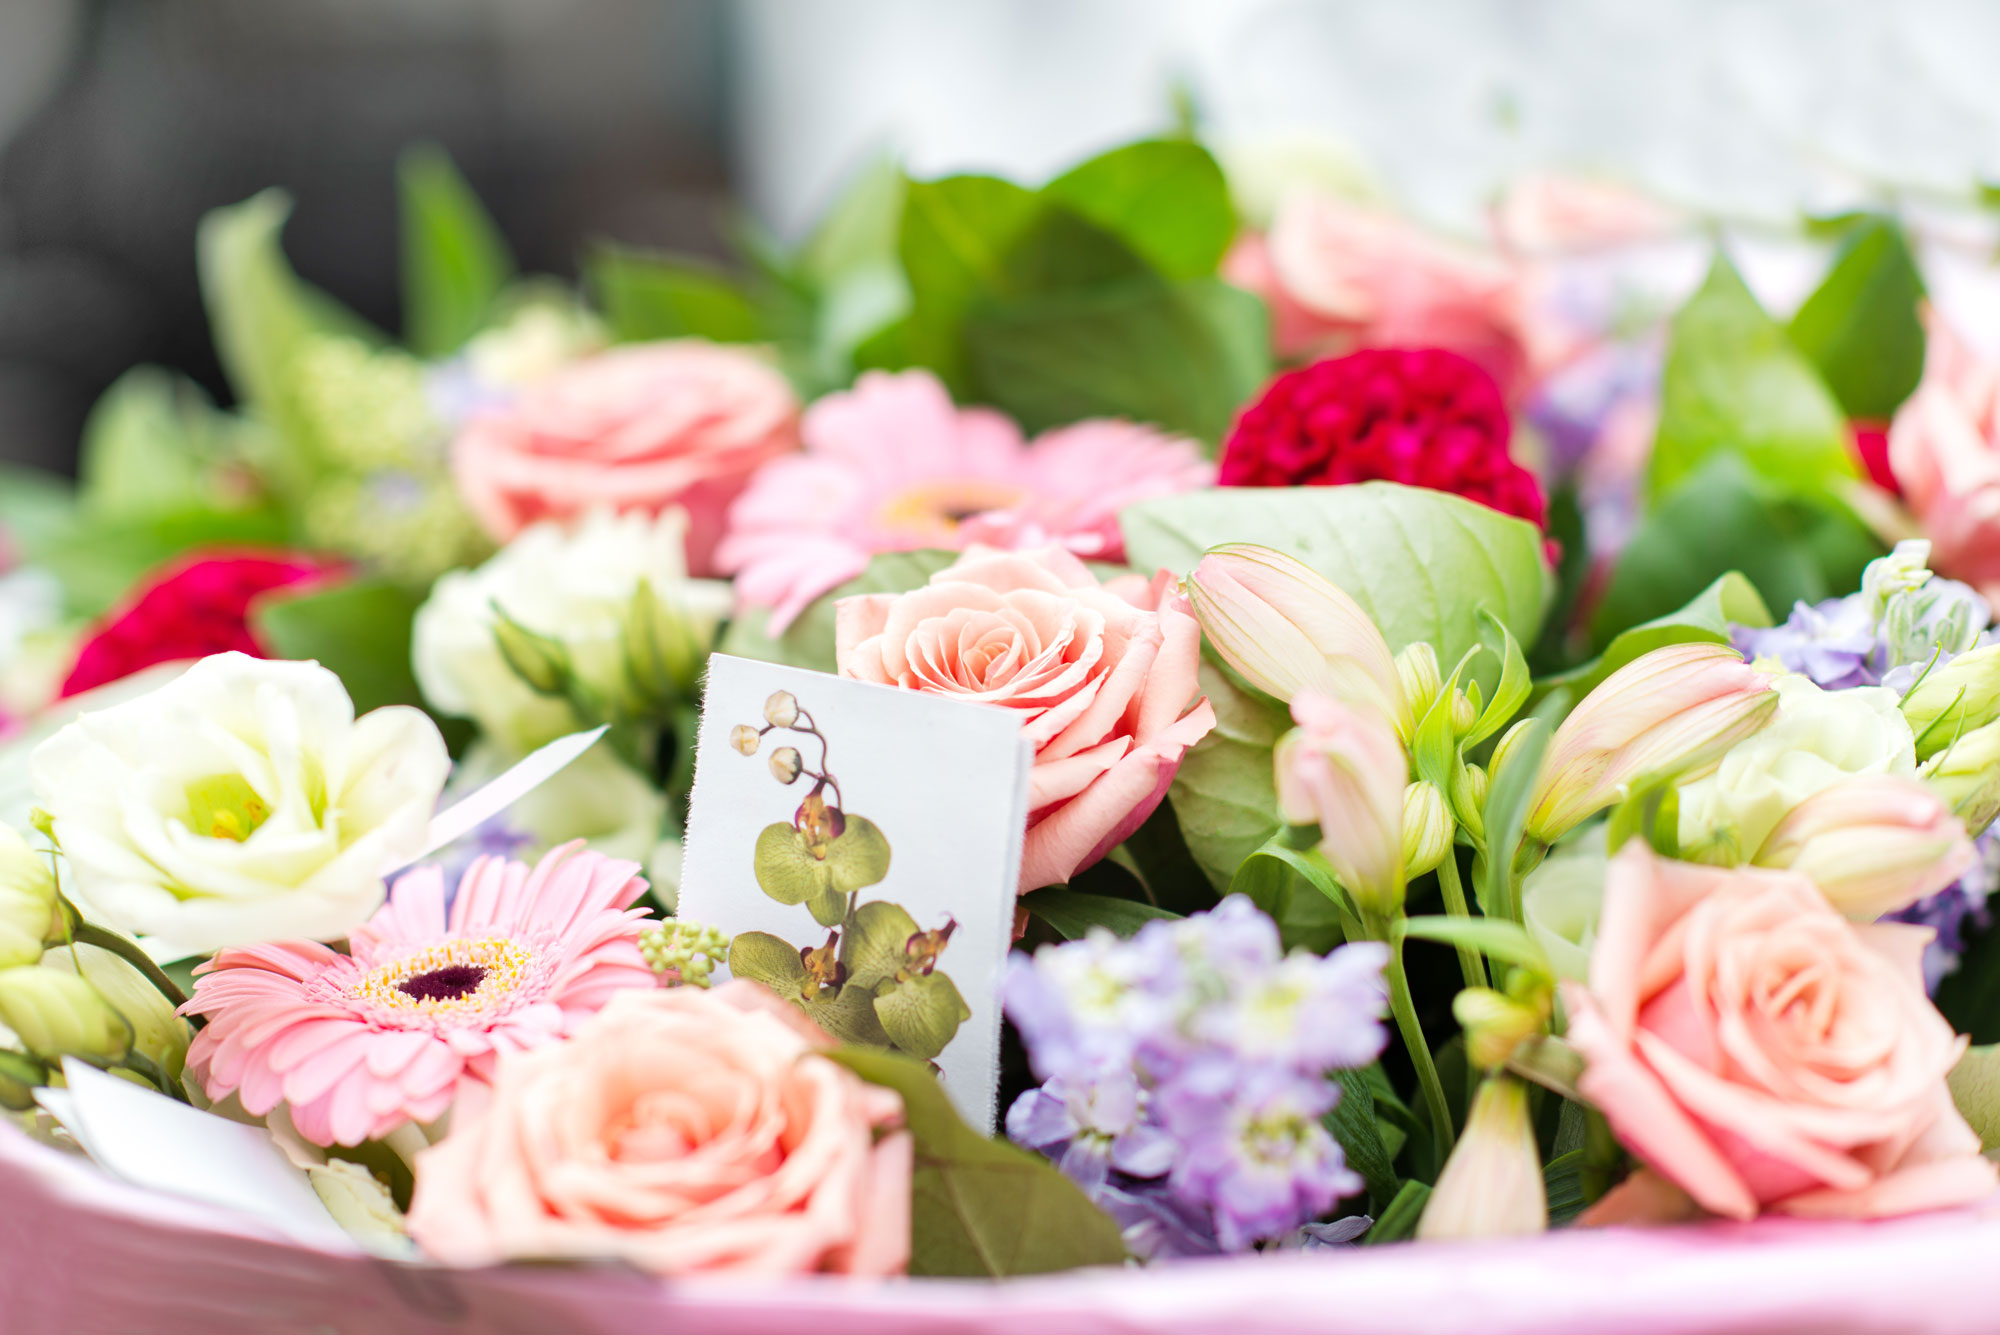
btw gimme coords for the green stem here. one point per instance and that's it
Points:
(1455, 904)
(128, 950)
(1404, 1008)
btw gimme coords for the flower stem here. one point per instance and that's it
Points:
(1404, 1008)
(1455, 904)
(128, 950)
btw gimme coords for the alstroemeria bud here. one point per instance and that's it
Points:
(27, 901)
(1468, 798)
(1344, 769)
(1464, 714)
(1672, 712)
(1495, 1023)
(1873, 844)
(540, 662)
(1491, 1187)
(1287, 629)
(1426, 828)
(1418, 674)
(1954, 699)
(56, 1013)
(1967, 776)
(664, 650)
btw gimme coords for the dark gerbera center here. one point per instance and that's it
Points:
(447, 984)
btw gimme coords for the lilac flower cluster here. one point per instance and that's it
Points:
(1953, 909)
(1902, 621)
(1185, 1074)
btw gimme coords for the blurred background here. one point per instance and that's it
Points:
(646, 121)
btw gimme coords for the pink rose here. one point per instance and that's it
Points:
(1944, 448)
(639, 427)
(685, 1131)
(1101, 676)
(1340, 276)
(1763, 1053)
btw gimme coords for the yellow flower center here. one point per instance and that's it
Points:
(448, 978)
(225, 806)
(934, 510)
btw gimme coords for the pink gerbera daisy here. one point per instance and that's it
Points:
(893, 465)
(360, 1044)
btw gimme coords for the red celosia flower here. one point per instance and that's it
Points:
(190, 608)
(1424, 417)
(1871, 446)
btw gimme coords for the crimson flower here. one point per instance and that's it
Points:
(1424, 417)
(190, 608)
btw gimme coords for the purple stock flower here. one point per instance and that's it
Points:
(1952, 909)
(1832, 642)
(1185, 1074)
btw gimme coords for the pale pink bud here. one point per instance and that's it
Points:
(1491, 1187)
(1287, 629)
(1343, 769)
(1873, 844)
(1672, 712)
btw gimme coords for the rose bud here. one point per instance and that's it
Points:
(1288, 629)
(1491, 1186)
(1873, 844)
(1344, 769)
(1674, 711)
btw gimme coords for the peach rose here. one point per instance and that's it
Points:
(685, 1131)
(1763, 1053)
(1340, 276)
(1944, 448)
(639, 427)
(1101, 675)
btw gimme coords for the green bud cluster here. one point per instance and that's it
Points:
(685, 949)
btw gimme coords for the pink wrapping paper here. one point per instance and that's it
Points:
(81, 1254)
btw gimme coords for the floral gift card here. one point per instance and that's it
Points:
(860, 847)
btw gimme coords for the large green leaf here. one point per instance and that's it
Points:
(1975, 1088)
(808, 641)
(1860, 328)
(1225, 794)
(1726, 518)
(957, 234)
(148, 446)
(455, 261)
(98, 561)
(982, 1207)
(649, 296)
(1422, 564)
(1735, 384)
(1072, 913)
(1165, 198)
(1707, 617)
(1183, 355)
(360, 629)
(1353, 1124)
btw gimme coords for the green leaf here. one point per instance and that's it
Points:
(1706, 618)
(1422, 564)
(1492, 937)
(98, 562)
(147, 446)
(860, 231)
(455, 262)
(1725, 518)
(1184, 356)
(359, 629)
(1562, 1181)
(1399, 1222)
(1735, 385)
(956, 236)
(1975, 1089)
(36, 508)
(1297, 890)
(808, 641)
(648, 296)
(1166, 199)
(1225, 794)
(1510, 694)
(922, 1014)
(1353, 1124)
(1860, 328)
(260, 312)
(981, 1207)
(1071, 913)
(1506, 812)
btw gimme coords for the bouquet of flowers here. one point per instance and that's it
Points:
(1515, 726)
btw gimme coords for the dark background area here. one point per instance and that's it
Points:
(573, 119)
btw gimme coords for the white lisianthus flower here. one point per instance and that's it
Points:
(242, 802)
(1817, 739)
(578, 588)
